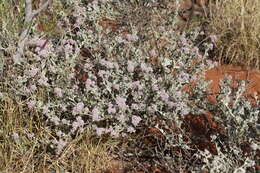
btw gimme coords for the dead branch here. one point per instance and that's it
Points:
(29, 15)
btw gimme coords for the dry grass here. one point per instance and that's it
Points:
(11, 17)
(237, 25)
(32, 154)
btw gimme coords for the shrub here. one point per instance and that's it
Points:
(115, 75)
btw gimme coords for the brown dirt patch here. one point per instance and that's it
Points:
(237, 73)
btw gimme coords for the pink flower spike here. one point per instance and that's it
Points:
(111, 109)
(31, 104)
(130, 129)
(78, 108)
(95, 114)
(121, 118)
(152, 52)
(32, 72)
(131, 37)
(136, 120)
(121, 102)
(164, 96)
(130, 67)
(45, 110)
(100, 131)
(213, 38)
(58, 92)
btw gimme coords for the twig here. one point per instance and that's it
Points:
(29, 15)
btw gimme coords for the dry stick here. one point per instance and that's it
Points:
(29, 15)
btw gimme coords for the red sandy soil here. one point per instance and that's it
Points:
(216, 74)
(238, 74)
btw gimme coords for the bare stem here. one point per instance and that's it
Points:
(29, 15)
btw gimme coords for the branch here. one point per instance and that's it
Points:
(29, 15)
(44, 6)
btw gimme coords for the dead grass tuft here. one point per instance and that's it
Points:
(237, 25)
(26, 153)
